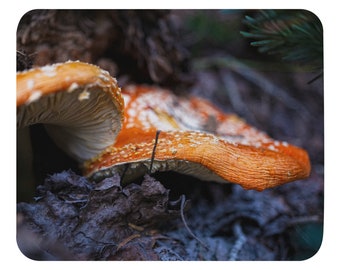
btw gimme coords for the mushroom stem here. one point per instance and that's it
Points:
(24, 168)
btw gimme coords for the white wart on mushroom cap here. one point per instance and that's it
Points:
(196, 138)
(79, 103)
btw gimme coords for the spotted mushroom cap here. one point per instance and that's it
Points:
(198, 139)
(79, 103)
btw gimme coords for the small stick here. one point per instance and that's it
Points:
(154, 151)
(186, 225)
(239, 243)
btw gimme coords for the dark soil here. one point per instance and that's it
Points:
(169, 216)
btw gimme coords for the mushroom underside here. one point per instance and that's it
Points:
(79, 121)
(208, 158)
(131, 171)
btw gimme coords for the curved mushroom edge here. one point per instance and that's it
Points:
(206, 157)
(70, 75)
(80, 104)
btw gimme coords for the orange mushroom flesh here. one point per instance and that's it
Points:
(197, 139)
(80, 104)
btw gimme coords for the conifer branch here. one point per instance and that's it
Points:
(293, 35)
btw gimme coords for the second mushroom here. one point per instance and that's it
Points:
(191, 136)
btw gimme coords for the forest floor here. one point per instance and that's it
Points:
(197, 220)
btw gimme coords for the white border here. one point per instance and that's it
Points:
(327, 13)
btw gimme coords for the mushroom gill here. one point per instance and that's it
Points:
(80, 104)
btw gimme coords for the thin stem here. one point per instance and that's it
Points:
(154, 151)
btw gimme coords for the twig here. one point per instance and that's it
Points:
(305, 219)
(234, 95)
(127, 240)
(154, 151)
(240, 241)
(256, 78)
(186, 225)
(232, 91)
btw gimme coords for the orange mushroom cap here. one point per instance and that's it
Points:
(80, 104)
(196, 138)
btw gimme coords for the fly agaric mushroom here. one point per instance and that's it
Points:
(197, 139)
(79, 103)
